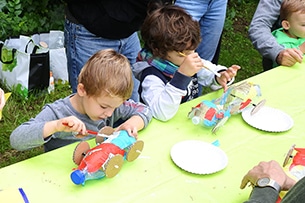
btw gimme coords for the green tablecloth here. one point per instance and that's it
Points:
(153, 177)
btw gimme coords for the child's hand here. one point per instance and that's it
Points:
(71, 124)
(2, 99)
(131, 130)
(191, 65)
(226, 76)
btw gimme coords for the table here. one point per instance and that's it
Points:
(153, 177)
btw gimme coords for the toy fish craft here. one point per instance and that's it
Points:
(216, 112)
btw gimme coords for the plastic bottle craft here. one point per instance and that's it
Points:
(216, 112)
(297, 159)
(105, 159)
(296, 169)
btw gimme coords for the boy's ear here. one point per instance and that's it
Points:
(285, 24)
(81, 89)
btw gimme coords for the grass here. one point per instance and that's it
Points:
(236, 49)
(17, 111)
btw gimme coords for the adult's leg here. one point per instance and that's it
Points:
(130, 48)
(217, 53)
(82, 44)
(211, 26)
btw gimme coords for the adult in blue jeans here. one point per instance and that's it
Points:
(211, 15)
(91, 26)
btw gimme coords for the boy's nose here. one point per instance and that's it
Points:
(108, 113)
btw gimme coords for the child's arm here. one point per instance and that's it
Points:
(67, 124)
(193, 64)
(30, 134)
(36, 131)
(164, 98)
(136, 116)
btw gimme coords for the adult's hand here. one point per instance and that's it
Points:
(289, 57)
(271, 169)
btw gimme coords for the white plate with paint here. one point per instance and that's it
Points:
(268, 119)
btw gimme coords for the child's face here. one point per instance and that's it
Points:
(297, 25)
(176, 57)
(101, 107)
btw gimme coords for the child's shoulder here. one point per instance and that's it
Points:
(156, 72)
(60, 103)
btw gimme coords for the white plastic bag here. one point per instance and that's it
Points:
(54, 41)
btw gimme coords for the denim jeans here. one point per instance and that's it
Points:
(211, 15)
(81, 45)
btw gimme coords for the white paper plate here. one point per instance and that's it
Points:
(268, 119)
(198, 157)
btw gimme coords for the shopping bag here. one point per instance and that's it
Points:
(25, 67)
(54, 41)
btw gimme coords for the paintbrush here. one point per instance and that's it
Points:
(206, 64)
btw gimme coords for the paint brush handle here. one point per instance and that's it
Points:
(211, 67)
(88, 131)
(91, 132)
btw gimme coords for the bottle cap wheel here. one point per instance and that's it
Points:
(196, 120)
(77, 177)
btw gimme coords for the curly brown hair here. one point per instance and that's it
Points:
(169, 28)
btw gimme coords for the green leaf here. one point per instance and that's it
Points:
(18, 6)
(10, 9)
(2, 4)
(10, 4)
(18, 12)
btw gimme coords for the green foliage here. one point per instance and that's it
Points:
(236, 48)
(27, 17)
(239, 9)
(231, 13)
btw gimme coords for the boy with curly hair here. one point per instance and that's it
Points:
(168, 67)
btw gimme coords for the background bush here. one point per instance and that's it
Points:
(30, 16)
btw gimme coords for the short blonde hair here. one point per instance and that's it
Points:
(107, 72)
